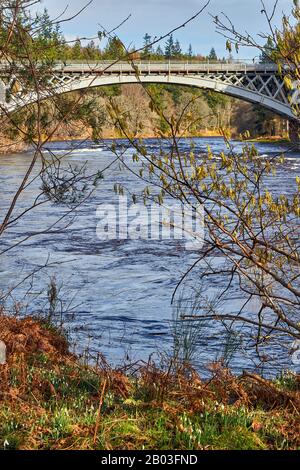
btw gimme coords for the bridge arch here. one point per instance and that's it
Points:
(203, 83)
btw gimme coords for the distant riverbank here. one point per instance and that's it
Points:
(8, 146)
(270, 140)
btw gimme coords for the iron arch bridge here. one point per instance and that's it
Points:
(255, 83)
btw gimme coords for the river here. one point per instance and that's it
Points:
(116, 293)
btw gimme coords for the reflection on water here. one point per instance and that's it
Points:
(119, 291)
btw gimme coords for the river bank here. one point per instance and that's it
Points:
(52, 400)
(8, 146)
(271, 140)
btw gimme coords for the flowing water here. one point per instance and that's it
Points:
(116, 293)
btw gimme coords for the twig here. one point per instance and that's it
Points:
(99, 411)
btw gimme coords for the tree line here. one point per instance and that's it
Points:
(114, 48)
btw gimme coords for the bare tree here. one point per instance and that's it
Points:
(33, 110)
(252, 227)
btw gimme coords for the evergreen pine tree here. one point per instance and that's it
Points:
(169, 49)
(91, 51)
(114, 49)
(76, 50)
(213, 55)
(147, 46)
(177, 52)
(159, 52)
(266, 55)
(48, 31)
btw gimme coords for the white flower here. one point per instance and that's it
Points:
(6, 444)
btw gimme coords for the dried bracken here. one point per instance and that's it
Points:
(49, 399)
(30, 336)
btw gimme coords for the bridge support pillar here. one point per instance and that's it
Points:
(294, 133)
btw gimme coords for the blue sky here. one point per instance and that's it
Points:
(160, 16)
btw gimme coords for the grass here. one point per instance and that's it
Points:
(49, 400)
(271, 140)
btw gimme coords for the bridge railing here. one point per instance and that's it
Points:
(166, 67)
(173, 61)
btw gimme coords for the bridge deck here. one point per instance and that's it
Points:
(156, 67)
